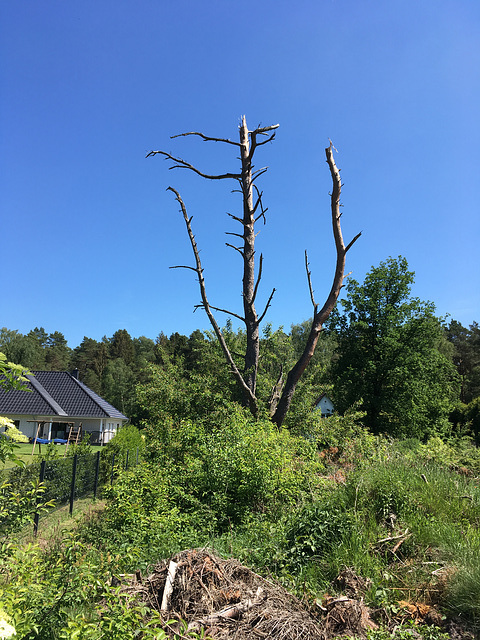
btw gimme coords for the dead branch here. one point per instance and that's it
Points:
(266, 307)
(259, 203)
(206, 305)
(204, 137)
(309, 277)
(400, 542)
(168, 589)
(182, 164)
(391, 538)
(235, 218)
(259, 277)
(257, 174)
(232, 246)
(320, 316)
(264, 130)
(230, 313)
(230, 612)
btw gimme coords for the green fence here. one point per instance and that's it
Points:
(68, 479)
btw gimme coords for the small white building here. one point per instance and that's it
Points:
(325, 405)
(55, 401)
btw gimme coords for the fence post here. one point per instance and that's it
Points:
(74, 477)
(37, 515)
(97, 469)
(113, 463)
(126, 461)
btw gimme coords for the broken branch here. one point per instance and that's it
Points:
(309, 277)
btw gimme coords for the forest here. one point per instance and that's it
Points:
(381, 351)
(364, 524)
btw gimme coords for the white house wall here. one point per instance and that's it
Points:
(108, 426)
(326, 406)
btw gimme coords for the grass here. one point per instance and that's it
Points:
(24, 453)
(53, 524)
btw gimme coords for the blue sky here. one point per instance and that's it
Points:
(88, 88)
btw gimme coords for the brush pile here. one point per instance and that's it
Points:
(226, 600)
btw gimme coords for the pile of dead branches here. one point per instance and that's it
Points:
(225, 600)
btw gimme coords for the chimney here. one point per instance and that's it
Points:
(75, 373)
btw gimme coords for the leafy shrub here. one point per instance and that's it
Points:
(44, 591)
(246, 466)
(140, 514)
(17, 508)
(347, 435)
(128, 441)
(317, 527)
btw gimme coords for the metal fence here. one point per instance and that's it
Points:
(65, 480)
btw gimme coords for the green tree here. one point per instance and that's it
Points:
(57, 352)
(121, 346)
(119, 386)
(18, 347)
(390, 355)
(466, 356)
(91, 358)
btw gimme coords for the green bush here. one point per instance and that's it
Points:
(346, 437)
(127, 442)
(246, 466)
(18, 508)
(316, 528)
(141, 515)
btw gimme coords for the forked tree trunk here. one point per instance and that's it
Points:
(252, 211)
(319, 316)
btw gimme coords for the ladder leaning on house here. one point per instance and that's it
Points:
(74, 435)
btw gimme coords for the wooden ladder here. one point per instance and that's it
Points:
(74, 434)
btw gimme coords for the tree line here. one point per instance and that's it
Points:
(382, 351)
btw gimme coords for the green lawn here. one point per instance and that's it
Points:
(24, 452)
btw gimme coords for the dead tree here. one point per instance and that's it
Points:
(253, 210)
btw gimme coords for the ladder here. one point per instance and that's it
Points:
(74, 434)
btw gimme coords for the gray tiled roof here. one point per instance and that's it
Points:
(56, 393)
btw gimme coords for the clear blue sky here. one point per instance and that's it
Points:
(88, 88)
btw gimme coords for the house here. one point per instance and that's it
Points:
(57, 400)
(325, 405)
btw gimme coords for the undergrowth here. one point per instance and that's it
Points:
(403, 516)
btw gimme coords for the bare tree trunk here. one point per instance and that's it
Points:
(252, 211)
(319, 317)
(251, 320)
